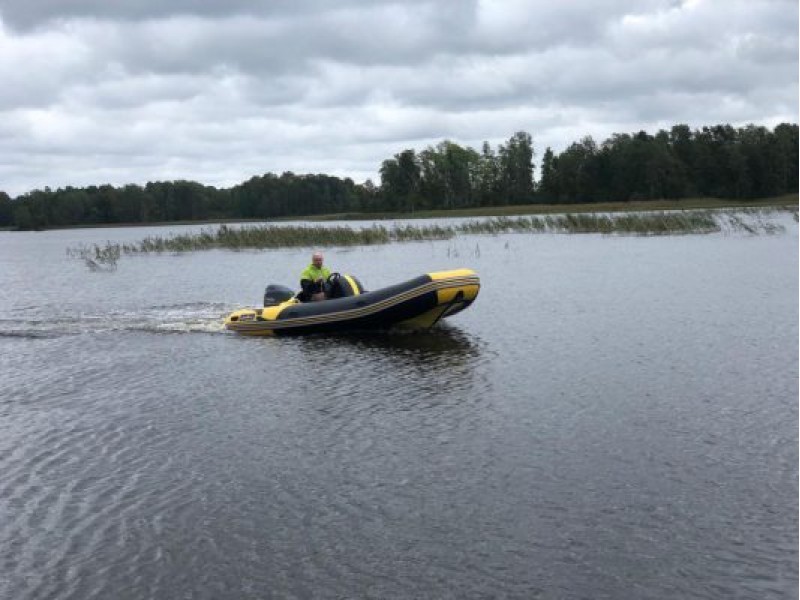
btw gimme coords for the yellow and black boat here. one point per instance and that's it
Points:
(417, 303)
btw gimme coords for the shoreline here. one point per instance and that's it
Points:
(786, 201)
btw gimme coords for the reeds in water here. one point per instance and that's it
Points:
(97, 258)
(277, 236)
(625, 224)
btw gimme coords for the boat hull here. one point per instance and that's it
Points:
(418, 303)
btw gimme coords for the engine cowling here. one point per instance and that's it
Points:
(275, 294)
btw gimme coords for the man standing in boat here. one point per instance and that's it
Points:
(313, 279)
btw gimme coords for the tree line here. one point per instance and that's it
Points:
(719, 161)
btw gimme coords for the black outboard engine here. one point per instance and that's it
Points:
(275, 294)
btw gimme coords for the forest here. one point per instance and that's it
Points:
(719, 161)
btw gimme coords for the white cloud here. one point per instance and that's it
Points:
(97, 92)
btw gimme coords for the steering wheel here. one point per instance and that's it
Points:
(332, 284)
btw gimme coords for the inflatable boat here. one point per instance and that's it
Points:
(417, 303)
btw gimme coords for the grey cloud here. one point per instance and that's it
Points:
(766, 49)
(268, 37)
(27, 14)
(131, 92)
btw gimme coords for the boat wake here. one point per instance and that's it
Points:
(196, 317)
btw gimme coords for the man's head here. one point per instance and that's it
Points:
(317, 259)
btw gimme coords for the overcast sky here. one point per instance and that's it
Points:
(95, 91)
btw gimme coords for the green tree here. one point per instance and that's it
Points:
(449, 174)
(785, 145)
(487, 177)
(6, 210)
(548, 186)
(516, 165)
(400, 180)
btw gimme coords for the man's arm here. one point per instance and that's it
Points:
(310, 287)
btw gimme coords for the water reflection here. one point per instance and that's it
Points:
(442, 347)
(384, 372)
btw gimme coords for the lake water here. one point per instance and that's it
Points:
(614, 417)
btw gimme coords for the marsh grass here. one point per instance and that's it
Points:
(752, 221)
(623, 224)
(97, 258)
(756, 223)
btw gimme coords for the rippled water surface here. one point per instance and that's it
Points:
(615, 417)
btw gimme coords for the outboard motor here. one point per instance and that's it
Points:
(275, 294)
